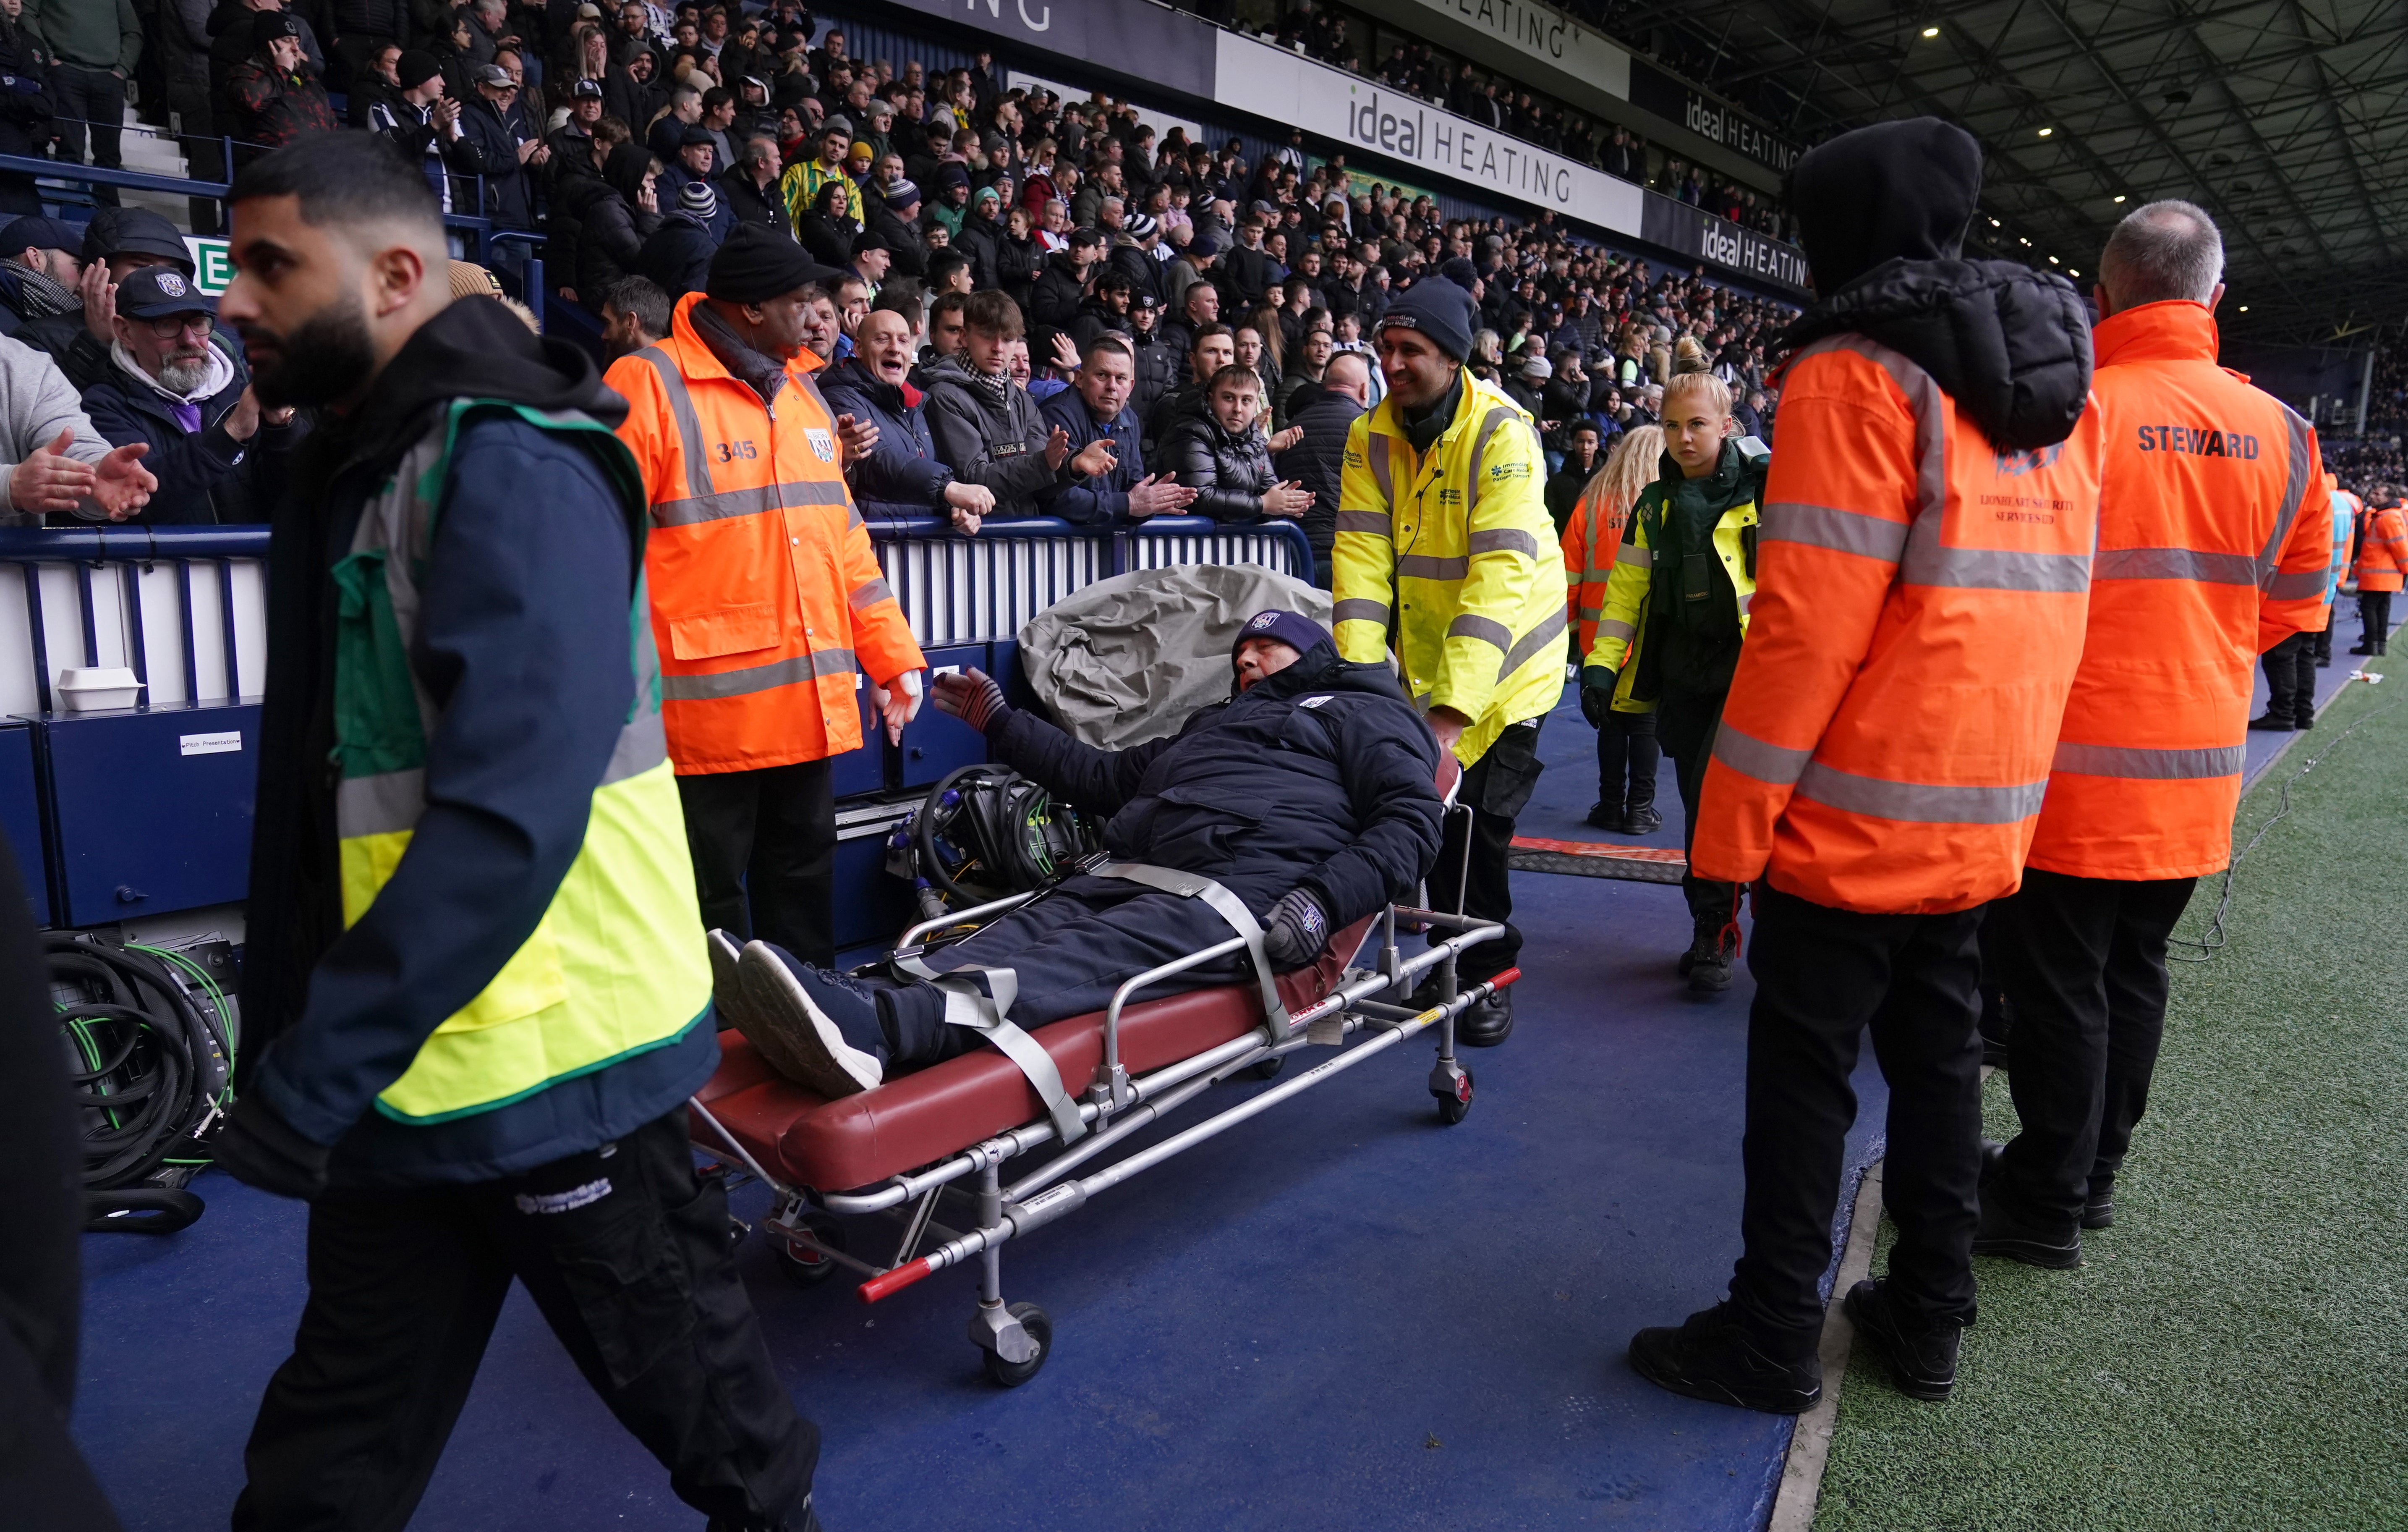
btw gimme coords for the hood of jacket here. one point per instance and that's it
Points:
(220, 377)
(2010, 345)
(1895, 190)
(475, 348)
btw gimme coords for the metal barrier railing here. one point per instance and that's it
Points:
(185, 607)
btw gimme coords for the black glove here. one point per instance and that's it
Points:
(260, 1148)
(973, 697)
(1596, 686)
(1297, 932)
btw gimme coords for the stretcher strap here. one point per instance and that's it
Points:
(986, 1012)
(1226, 904)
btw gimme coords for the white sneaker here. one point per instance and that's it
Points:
(794, 1034)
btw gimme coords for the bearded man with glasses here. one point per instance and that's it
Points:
(181, 386)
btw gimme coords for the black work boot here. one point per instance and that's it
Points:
(2272, 720)
(1641, 820)
(1488, 1021)
(2006, 1230)
(1922, 1361)
(1605, 816)
(2099, 1212)
(1715, 1358)
(1708, 961)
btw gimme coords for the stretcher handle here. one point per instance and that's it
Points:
(894, 1280)
(1505, 979)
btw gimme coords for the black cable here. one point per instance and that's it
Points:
(148, 1060)
(2213, 942)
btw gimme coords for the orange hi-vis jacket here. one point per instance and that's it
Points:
(2382, 549)
(765, 593)
(2213, 539)
(1590, 539)
(1917, 620)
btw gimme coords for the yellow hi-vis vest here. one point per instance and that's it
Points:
(617, 966)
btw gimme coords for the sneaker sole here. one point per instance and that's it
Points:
(1788, 1402)
(726, 984)
(804, 1045)
(2031, 1252)
(1706, 979)
(2099, 1218)
(1931, 1390)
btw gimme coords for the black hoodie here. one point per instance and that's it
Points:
(523, 647)
(1882, 212)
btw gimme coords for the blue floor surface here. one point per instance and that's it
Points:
(1343, 1315)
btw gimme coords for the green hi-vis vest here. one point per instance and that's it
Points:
(618, 964)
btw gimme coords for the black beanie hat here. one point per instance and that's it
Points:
(1440, 310)
(756, 265)
(417, 66)
(1905, 189)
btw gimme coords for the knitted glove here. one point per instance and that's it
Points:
(974, 698)
(1297, 932)
(1596, 686)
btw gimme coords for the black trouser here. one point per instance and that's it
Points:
(763, 845)
(1067, 952)
(1685, 722)
(2320, 641)
(1822, 976)
(1627, 756)
(1495, 788)
(204, 153)
(2086, 974)
(1993, 977)
(95, 97)
(625, 1252)
(2373, 618)
(2291, 679)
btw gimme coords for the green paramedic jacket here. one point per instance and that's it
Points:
(480, 944)
(1628, 641)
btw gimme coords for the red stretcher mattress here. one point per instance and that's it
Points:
(835, 1145)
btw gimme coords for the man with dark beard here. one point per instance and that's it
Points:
(476, 993)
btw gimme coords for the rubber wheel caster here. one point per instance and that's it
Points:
(1040, 1330)
(1268, 1069)
(1454, 1108)
(803, 1265)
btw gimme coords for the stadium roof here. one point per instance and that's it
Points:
(2287, 120)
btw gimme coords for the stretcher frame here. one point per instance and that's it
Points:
(1017, 1338)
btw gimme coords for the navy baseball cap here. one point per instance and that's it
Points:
(156, 292)
(37, 233)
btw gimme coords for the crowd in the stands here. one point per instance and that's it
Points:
(631, 143)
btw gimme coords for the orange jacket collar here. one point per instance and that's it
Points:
(2176, 330)
(697, 360)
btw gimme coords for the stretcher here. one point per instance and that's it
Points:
(898, 1153)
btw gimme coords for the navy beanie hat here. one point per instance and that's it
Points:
(1293, 628)
(1440, 310)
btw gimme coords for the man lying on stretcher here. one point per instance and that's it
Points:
(1308, 795)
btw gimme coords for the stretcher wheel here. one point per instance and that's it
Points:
(1040, 1330)
(806, 1267)
(1454, 1105)
(1268, 1069)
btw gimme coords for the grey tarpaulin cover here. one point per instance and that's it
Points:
(1126, 659)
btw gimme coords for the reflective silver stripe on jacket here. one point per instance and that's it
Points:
(1360, 609)
(1759, 759)
(1375, 446)
(2149, 765)
(727, 504)
(752, 678)
(1434, 567)
(2295, 491)
(1828, 527)
(2213, 568)
(689, 424)
(1919, 803)
(869, 593)
(1506, 539)
(1377, 522)
(1549, 629)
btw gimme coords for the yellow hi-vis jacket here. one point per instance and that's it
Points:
(1452, 556)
